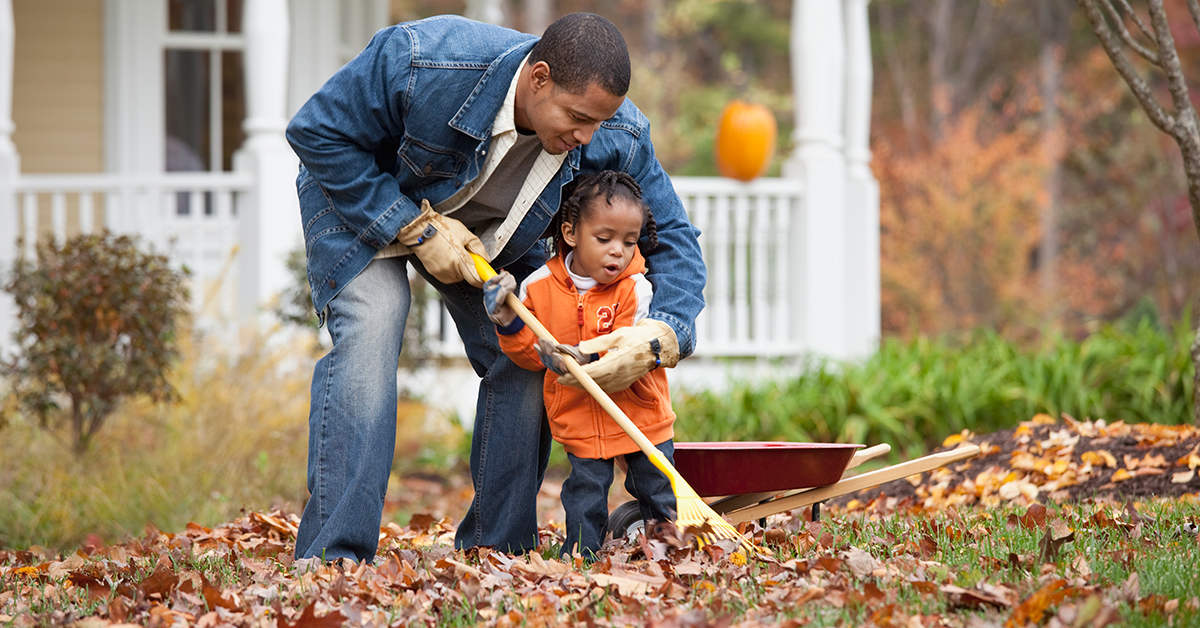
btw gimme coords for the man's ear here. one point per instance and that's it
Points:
(539, 76)
(568, 234)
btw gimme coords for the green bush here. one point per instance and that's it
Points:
(912, 394)
(97, 323)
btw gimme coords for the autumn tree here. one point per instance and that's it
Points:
(98, 322)
(1126, 36)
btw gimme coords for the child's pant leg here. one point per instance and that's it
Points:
(651, 488)
(585, 500)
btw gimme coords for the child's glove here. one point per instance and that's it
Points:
(554, 356)
(495, 298)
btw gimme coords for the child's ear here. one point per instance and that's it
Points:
(568, 234)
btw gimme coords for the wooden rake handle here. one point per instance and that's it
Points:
(486, 272)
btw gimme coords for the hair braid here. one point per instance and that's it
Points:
(579, 196)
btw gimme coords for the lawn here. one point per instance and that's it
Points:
(957, 548)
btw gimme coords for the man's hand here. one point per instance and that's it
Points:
(443, 245)
(554, 356)
(495, 298)
(632, 352)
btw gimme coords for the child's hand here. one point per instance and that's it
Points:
(495, 298)
(554, 356)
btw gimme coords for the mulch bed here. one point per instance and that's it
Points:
(1043, 459)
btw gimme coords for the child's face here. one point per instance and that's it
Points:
(605, 240)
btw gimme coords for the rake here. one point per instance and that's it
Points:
(691, 511)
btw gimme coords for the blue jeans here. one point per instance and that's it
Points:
(352, 421)
(585, 496)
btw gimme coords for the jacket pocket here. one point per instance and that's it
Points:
(428, 163)
(319, 219)
(643, 392)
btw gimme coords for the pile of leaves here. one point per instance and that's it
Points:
(1042, 459)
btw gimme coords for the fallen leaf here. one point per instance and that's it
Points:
(1052, 542)
(1099, 458)
(1183, 477)
(974, 598)
(1031, 609)
(629, 583)
(1034, 517)
(861, 563)
(308, 619)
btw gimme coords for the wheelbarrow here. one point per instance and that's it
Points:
(754, 480)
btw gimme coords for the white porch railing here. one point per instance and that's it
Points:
(191, 217)
(746, 235)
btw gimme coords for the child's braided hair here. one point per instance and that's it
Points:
(577, 201)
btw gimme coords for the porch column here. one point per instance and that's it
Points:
(10, 168)
(819, 247)
(862, 191)
(269, 220)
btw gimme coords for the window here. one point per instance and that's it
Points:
(205, 93)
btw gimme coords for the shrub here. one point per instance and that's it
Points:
(912, 394)
(97, 323)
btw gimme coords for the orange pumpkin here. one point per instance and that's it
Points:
(745, 140)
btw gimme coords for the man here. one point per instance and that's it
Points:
(446, 136)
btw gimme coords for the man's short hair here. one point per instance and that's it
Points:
(584, 48)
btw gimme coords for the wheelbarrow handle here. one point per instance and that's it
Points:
(856, 483)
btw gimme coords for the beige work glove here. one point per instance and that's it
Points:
(632, 352)
(443, 245)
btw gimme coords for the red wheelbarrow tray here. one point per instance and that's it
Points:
(757, 479)
(733, 468)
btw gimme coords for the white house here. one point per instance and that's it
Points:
(166, 118)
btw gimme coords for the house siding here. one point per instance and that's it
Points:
(58, 85)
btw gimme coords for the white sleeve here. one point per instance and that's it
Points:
(643, 291)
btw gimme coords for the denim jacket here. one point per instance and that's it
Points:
(410, 118)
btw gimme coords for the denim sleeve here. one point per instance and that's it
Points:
(675, 267)
(337, 133)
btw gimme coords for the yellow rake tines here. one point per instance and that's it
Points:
(691, 511)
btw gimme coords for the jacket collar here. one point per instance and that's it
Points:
(477, 114)
(558, 268)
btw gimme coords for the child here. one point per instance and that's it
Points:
(594, 285)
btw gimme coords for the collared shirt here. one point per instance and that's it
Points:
(496, 234)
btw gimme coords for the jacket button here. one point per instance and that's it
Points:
(428, 168)
(332, 284)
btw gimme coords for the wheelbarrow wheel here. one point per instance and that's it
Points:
(626, 521)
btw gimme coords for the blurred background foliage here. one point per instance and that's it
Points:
(1038, 255)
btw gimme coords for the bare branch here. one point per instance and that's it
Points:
(1185, 129)
(1194, 8)
(1119, 25)
(1138, 85)
(980, 38)
(895, 66)
(1137, 19)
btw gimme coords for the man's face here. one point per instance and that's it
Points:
(563, 120)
